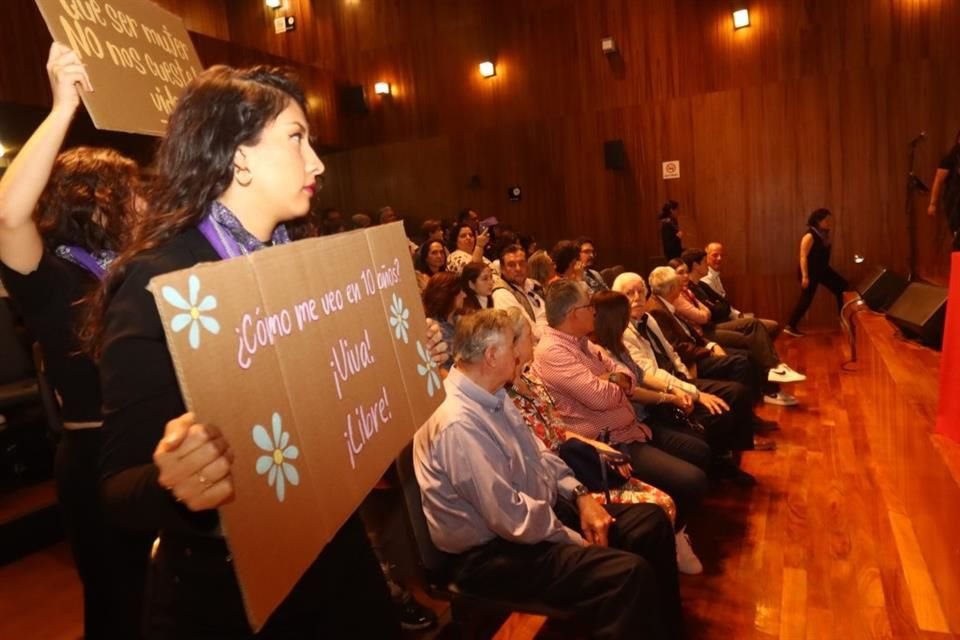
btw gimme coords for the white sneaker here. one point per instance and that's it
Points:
(780, 398)
(783, 373)
(687, 561)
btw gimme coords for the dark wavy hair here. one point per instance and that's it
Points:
(89, 201)
(454, 232)
(471, 272)
(613, 316)
(220, 110)
(689, 256)
(440, 294)
(564, 254)
(818, 216)
(666, 211)
(421, 260)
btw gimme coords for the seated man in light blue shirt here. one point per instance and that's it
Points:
(519, 523)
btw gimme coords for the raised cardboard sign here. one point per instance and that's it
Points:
(311, 358)
(138, 56)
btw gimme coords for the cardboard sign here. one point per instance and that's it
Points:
(311, 358)
(138, 56)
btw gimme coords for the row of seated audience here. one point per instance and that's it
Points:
(635, 405)
(636, 400)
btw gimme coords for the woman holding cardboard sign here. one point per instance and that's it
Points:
(235, 165)
(63, 217)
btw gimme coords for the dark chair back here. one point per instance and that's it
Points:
(18, 383)
(431, 560)
(467, 608)
(16, 364)
(51, 406)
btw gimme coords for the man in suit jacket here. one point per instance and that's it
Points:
(688, 340)
(743, 333)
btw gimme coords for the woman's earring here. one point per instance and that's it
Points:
(236, 176)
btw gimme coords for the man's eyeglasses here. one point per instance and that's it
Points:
(589, 305)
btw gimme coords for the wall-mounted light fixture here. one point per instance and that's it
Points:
(488, 69)
(608, 45)
(3, 151)
(381, 88)
(274, 4)
(741, 18)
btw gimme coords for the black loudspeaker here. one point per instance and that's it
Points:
(614, 155)
(920, 312)
(353, 99)
(881, 287)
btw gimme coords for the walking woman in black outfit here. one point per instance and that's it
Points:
(670, 234)
(815, 269)
(235, 165)
(62, 219)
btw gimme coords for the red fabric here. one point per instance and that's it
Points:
(948, 415)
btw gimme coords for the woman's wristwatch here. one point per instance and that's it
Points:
(579, 491)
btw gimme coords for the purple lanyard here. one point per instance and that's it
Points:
(84, 259)
(223, 243)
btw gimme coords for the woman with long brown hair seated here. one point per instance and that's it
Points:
(430, 260)
(477, 282)
(442, 300)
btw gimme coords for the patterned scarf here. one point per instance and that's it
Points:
(96, 262)
(228, 236)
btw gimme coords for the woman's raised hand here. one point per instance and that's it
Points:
(68, 75)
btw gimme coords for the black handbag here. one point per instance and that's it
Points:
(673, 417)
(595, 469)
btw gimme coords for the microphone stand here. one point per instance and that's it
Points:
(914, 185)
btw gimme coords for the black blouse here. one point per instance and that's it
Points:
(51, 301)
(141, 394)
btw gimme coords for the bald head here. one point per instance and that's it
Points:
(714, 255)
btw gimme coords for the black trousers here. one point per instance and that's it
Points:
(734, 367)
(193, 593)
(627, 590)
(831, 280)
(112, 564)
(675, 462)
(733, 430)
(750, 335)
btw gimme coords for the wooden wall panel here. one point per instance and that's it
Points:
(208, 17)
(210, 22)
(813, 105)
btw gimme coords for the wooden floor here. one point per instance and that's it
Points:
(854, 528)
(852, 532)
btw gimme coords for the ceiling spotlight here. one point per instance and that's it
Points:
(381, 88)
(488, 69)
(741, 19)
